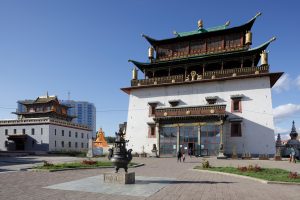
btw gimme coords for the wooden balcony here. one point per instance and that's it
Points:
(209, 110)
(236, 72)
(158, 80)
(226, 73)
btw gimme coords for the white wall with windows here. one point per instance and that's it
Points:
(44, 137)
(255, 111)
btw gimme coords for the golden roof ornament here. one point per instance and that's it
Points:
(200, 23)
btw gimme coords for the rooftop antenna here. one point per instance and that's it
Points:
(47, 95)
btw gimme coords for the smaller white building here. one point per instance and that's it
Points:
(43, 126)
(43, 134)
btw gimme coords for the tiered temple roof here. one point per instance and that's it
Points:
(203, 55)
(44, 106)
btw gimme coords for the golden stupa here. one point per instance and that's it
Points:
(100, 140)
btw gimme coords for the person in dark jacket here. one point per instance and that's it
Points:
(179, 156)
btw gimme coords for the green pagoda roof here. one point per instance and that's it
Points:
(200, 58)
(203, 32)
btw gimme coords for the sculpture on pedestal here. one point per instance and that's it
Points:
(119, 155)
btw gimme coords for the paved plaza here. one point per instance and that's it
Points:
(161, 178)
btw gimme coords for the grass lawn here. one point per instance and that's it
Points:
(74, 165)
(268, 174)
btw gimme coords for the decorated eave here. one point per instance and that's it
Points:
(273, 79)
(201, 32)
(43, 100)
(52, 112)
(191, 112)
(206, 57)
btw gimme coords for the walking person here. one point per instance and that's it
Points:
(292, 155)
(190, 152)
(183, 157)
(179, 155)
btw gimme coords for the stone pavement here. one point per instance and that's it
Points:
(188, 184)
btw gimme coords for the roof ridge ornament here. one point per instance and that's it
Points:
(227, 23)
(257, 15)
(200, 24)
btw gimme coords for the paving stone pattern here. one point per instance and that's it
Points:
(187, 184)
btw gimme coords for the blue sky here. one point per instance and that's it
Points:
(83, 47)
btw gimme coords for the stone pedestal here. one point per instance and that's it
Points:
(154, 153)
(119, 178)
(277, 158)
(221, 156)
(90, 151)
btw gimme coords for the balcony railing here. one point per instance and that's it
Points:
(190, 111)
(158, 80)
(206, 76)
(236, 72)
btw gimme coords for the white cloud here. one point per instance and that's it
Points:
(298, 81)
(285, 111)
(283, 84)
(280, 130)
(284, 137)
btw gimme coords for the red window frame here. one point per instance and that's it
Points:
(236, 131)
(151, 131)
(233, 101)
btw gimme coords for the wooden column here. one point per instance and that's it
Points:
(253, 61)
(203, 70)
(157, 138)
(144, 74)
(178, 137)
(199, 140)
(222, 65)
(185, 72)
(242, 63)
(169, 71)
(221, 148)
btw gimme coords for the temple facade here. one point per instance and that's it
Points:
(44, 125)
(207, 92)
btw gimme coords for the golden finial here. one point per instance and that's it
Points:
(200, 23)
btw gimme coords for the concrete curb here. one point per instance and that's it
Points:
(247, 177)
(80, 168)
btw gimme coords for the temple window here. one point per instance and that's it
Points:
(151, 131)
(76, 145)
(81, 144)
(24, 131)
(6, 143)
(76, 134)
(15, 131)
(236, 103)
(152, 108)
(41, 131)
(69, 133)
(62, 144)
(70, 144)
(81, 135)
(62, 133)
(32, 131)
(6, 131)
(236, 129)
